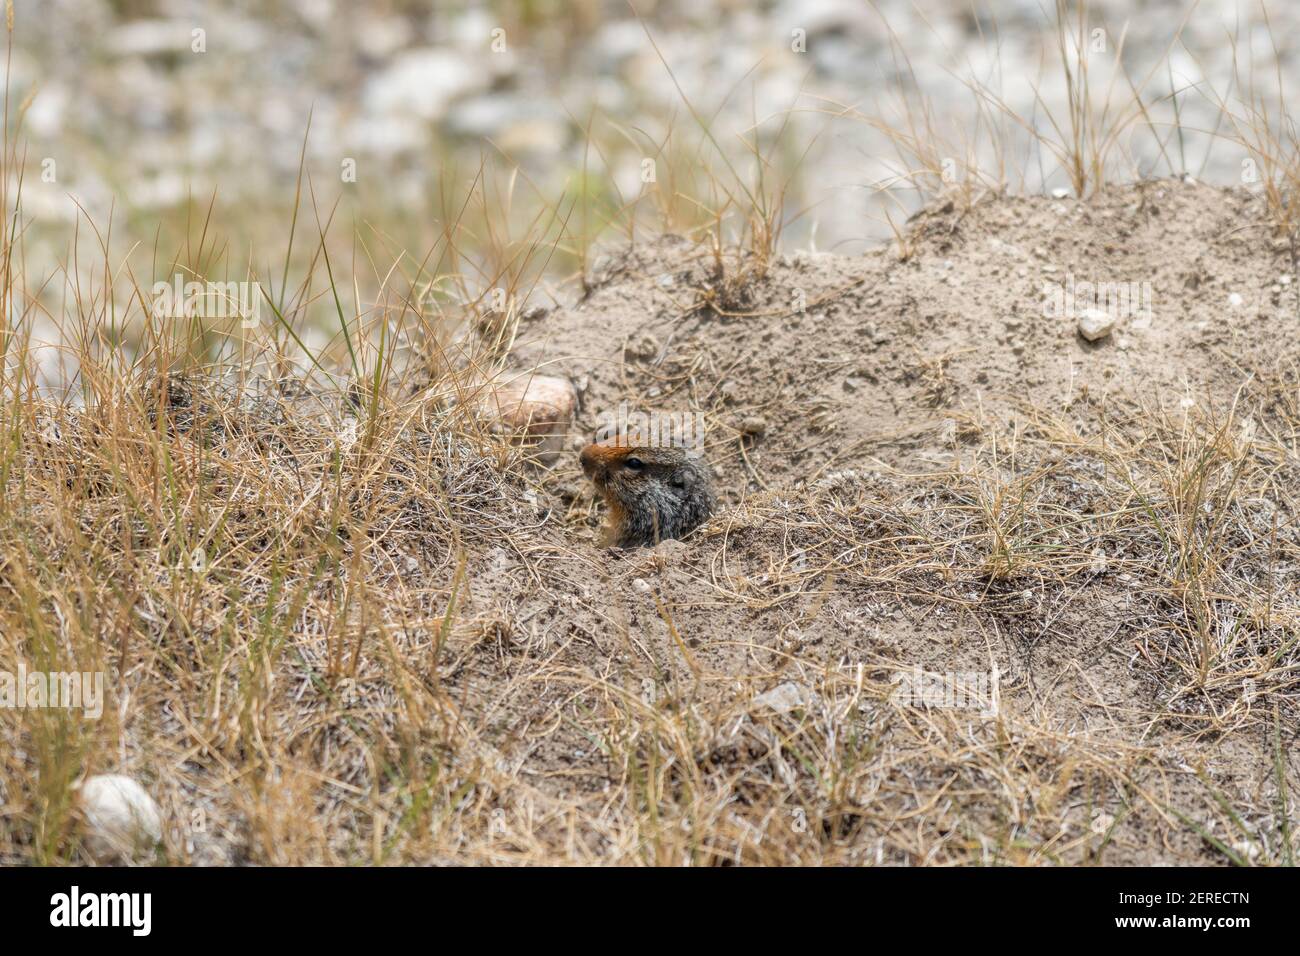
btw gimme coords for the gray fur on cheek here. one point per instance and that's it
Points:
(663, 510)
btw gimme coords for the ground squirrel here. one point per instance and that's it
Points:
(653, 493)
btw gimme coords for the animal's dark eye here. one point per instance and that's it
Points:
(635, 464)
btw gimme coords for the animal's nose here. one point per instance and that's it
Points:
(590, 462)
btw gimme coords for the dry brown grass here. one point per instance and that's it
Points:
(286, 596)
(342, 621)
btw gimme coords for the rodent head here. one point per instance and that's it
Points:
(652, 493)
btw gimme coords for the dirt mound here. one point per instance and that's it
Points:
(887, 355)
(929, 474)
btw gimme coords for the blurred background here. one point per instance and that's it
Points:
(562, 122)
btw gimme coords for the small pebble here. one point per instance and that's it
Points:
(1094, 324)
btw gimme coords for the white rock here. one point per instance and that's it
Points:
(1060, 194)
(489, 114)
(381, 37)
(176, 37)
(47, 111)
(388, 134)
(1247, 849)
(1235, 300)
(347, 435)
(149, 38)
(1095, 324)
(1101, 822)
(121, 819)
(422, 83)
(617, 41)
(784, 698)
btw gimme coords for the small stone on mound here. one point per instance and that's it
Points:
(784, 698)
(1094, 324)
(539, 408)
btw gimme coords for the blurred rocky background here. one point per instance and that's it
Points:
(148, 109)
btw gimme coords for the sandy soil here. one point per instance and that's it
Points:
(922, 470)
